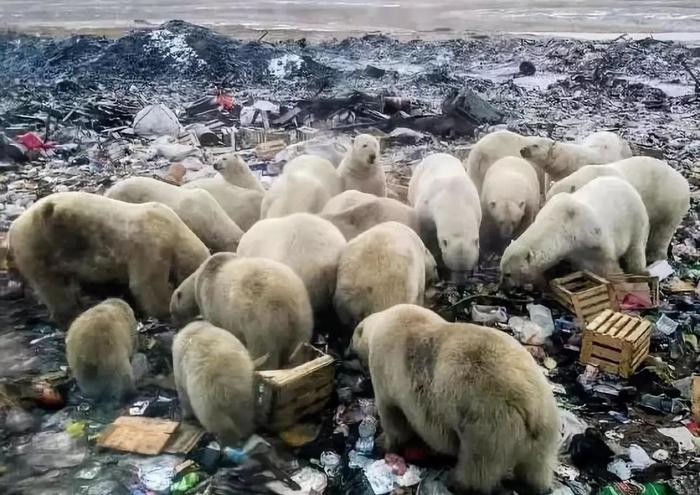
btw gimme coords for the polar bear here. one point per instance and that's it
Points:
(491, 148)
(196, 207)
(594, 228)
(234, 170)
(449, 211)
(307, 244)
(560, 159)
(510, 198)
(384, 266)
(466, 391)
(360, 170)
(99, 346)
(70, 238)
(354, 212)
(214, 381)
(665, 192)
(262, 302)
(242, 205)
(306, 184)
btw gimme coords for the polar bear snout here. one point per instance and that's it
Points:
(525, 152)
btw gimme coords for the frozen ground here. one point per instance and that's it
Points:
(682, 17)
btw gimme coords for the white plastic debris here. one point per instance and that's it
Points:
(281, 67)
(682, 436)
(570, 425)
(660, 269)
(666, 325)
(310, 480)
(621, 469)
(175, 152)
(489, 314)
(527, 331)
(542, 317)
(660, 455)
(383, 480)
(156, 120)
(639, 459)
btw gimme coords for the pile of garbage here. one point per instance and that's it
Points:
(82, 113)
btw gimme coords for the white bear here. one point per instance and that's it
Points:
(307, 244)
(594, 228)
(449, 211)
(235, 171)
(196, 207)
(73, 238)
(360, 170)
(214, 381)
(491, 148)
(560, 159)
(99, 346)
(260, 301)
(240, 204)
(384, 266)
(306, 184)
(510, 198)
(466, 391)
(665, 192)
(353, 212)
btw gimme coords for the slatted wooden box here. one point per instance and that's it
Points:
(643, 287)
(616, 342)
(283, 397)
(585, 294)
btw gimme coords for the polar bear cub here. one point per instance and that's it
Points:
(354, 212)
(234, 170)
(305, 186)
(595, 228)
(664, 191)
(307, 244)
(99, 346)
(260, 301)
(465, 390)
(360, 169)
(384, 266)
(196, 207)
(510, 197)
(214, 381)
(449, 211)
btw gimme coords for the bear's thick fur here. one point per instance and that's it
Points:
(307, 244)
(594, 228)
(665, 192)
(99, 346)
(214, 380)
(70, 238)
(196, 207)
(449, 211)
(262, 302)
(360, 170)
(354, 212)
(384, 266)
(242, 205)
(510, 199)
(465, 390)
(235, 171)
(305, 186)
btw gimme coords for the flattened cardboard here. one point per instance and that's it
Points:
(138, 434)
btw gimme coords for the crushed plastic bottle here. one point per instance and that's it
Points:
(542, 317)
(367, 429)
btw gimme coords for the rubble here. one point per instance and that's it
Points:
(70, 120)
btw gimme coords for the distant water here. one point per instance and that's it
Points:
(392, 16)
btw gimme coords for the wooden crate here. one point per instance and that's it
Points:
(616, 342)
(585, 294)
(283, 397)
(646, 288)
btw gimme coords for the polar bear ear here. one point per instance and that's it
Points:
(528, 256)
(521, 204)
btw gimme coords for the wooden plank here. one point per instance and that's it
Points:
(644, 325)
(604, 365)
(607, 340)
(609, 323)
(596, 300)
(628, 328)
(613, 355)
(639, 357)
(568, 278)
(600, 319)
(593, 312)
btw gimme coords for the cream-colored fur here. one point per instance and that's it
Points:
(449, 211)
(99, 346)
(491, 148)
(240, 204)
(235, 171)
(262, 302)
(70, 238)
(664, 191)
(305, 186)
(510, 198)
(465, 390)
(560, 159)
(594, 228)
(361, 170)
(354, 212)
(384, 266)
(307, 244)
(214, 381)
(196, 207)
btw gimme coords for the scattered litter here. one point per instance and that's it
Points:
(489, 315)
(639, 459)
(666, 325)
(660, 269)
(685, 440)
